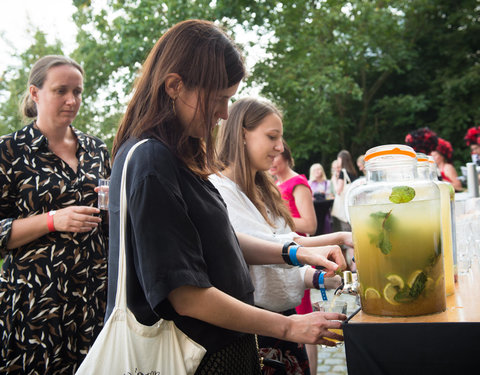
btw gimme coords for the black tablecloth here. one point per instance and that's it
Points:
(412, 348)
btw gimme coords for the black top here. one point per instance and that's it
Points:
(178, 233)
(350, 175)
(52, 289)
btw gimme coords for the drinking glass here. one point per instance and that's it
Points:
(335, 305)
(103, 193)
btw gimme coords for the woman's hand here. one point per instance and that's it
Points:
(313, 328)
(331, 282)
(345, 239)
(329, 257)
(76, 219)
(69, 219)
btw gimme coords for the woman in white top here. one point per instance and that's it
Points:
(247, 143)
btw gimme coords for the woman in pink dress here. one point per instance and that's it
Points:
(443, 158)
(297, 194)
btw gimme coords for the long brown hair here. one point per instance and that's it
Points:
(206, 59)
(248, 114)
(347, 162)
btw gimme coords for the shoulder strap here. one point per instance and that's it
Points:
(121, 296)
(346, 177)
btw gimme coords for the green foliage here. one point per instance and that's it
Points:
(347, 74)
(13, 82)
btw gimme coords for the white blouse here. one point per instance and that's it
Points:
(278, 287)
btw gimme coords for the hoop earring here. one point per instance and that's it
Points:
(173, 107)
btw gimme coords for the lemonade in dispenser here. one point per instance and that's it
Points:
(395, 219)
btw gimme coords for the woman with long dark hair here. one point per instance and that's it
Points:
(184, 261)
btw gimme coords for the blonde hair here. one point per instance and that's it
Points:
(248, 114)
(313, 167)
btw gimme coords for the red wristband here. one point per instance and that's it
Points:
(50, 225)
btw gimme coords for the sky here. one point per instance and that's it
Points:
(54, 17)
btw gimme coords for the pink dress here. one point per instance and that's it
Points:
(286, 188)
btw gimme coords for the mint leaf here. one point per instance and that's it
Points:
(403, 296)
(402, 194)
(384, 243)
(418, 285)
(383, 223)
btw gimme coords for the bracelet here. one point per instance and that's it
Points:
(293, 255)
(319, 283)
(50, 225)
(316, 275)
(285, 255)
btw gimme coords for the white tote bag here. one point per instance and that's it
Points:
(125, 346)
(339, 208)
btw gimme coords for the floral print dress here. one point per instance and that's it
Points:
(53, 289)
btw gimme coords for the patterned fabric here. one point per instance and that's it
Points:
(293, 355)
(53, 289)
(240, 357)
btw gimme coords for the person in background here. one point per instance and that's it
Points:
(54, 276)
(319, 183)
(335, 169)
(185, 263)
(472, 139)
(442, 156)
(345, 165)
(344, 162)
(295, 191)
(361, 164)
(297, 194)
(248, 142)
(422, 140)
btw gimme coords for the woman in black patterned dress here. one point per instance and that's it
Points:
(52, 239)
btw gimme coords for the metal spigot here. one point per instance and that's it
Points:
(348, 286)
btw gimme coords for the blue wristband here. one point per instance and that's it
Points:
(293, 255)
(321, 285)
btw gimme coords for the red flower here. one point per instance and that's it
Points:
(473, 136)
(422, 140)
(445, 148)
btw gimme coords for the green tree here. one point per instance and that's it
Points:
(447, 70)
(361, 73)
(13, 82)
(347, 74)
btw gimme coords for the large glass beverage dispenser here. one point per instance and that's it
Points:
(395, 218)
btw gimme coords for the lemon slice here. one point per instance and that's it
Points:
(372, 293)
(389, 293)
(396, 280)
(412, 277)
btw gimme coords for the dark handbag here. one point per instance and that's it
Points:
(280, 367)
(319, 197)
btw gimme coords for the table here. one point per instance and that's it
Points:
(443, 343)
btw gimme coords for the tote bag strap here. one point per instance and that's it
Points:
(346, 177)
(121, 296)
